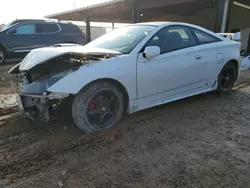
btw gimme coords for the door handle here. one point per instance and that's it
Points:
(198, 57)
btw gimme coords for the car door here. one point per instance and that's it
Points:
(214, 52)
(180, 67)
(22, 37)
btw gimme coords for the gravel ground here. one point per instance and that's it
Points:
(202, 141)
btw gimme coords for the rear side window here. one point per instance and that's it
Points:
(204, 38)
(26, 29)
(46, 28)
(70, 29)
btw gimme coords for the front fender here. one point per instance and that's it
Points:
(121, 69)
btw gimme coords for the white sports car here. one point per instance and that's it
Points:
(129, 69)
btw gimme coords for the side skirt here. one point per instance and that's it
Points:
(135, 107)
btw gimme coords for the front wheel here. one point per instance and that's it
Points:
(227, 78)
(99, 106)
(2, 56)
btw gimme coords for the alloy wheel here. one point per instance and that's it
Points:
(1, 57)
(227, 78)
(102, 109)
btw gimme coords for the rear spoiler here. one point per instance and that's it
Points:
(232, 36)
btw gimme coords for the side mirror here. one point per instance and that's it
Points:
(236, 36)
(151, 51)
(12, 31)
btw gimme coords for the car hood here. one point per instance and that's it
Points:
(41, 55)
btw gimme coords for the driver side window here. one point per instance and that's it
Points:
(172, 38)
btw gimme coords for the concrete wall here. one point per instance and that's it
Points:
(239, 18)
(206, 18)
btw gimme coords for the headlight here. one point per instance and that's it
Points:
(55, 78)
(43, 84)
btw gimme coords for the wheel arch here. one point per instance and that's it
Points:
(236, 64)
(4, 48)
(225, 89)
(118, 84)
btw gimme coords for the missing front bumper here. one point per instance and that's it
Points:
(38, 106)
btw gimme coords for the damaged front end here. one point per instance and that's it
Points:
(34, 99)
(39, 106)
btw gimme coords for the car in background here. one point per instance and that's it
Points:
(21, 36)
(20, 20)
(128, 69)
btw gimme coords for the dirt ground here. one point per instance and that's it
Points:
(202, 141)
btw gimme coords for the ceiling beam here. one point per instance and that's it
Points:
(147, 4)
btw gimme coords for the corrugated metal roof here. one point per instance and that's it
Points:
(104, 2)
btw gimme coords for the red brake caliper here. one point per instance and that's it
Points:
(92, 104)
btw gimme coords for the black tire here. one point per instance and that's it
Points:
(81, 107)
(2, 56)
(227, 78)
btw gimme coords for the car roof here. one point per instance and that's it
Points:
(164, 23)
(38, 21)
(154, 23)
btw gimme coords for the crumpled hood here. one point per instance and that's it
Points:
(41, 55)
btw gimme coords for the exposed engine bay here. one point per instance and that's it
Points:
(34, 99)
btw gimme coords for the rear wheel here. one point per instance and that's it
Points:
(98, 107)
(227, 78)
(2, 56)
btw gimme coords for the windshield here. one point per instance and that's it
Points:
(7, 26)
(123, 39)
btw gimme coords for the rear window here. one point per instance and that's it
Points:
(205, 38)
(70, 29)
(46, 28)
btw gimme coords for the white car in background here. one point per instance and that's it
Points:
(128, 69)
